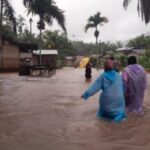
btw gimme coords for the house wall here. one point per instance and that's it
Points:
(69, 62)
(10, 56)
(25, 55)
(133, 54)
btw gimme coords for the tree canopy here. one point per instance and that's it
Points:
(47, 10)
(143, 7)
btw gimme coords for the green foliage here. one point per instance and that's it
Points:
(54, 40)
(47, 10)
(8, 33)
(143, 9)
(94, 21)
(88, 49)
(144, 61)
(8, 12)
(139, 41)
(82, 48)
(93, 61)
(123, 61)
(60, 61)
(28, 37)
(20, 25)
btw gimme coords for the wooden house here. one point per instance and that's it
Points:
(130, 51)
(48, 57)
(12, 52)
(69, 61)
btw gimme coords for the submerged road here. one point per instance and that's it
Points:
(47, 113)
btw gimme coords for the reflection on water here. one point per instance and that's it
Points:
(48, 114)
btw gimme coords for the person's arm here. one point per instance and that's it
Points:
(94, 88)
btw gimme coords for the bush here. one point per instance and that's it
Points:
(144, 61)
(60, 63)
(93, 61)
(123, 61)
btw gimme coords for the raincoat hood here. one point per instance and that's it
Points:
(136, 69)
(110, 75)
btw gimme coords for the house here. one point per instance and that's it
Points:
(77, 60)
(9, 55)
(130, 51)
(48, 57)
(12, 52)
(69, 61)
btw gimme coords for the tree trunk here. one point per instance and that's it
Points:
(96, 36)
(30, 26)
(97, 63)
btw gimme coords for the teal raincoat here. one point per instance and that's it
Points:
(111, 101)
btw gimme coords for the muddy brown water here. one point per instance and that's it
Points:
(42, 113)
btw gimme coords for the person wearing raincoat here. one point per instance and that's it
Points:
(134, 77)
(88, 71)
(111, 100)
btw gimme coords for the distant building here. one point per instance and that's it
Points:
(130, 51)
(49, 57)
(9, 56)
(69, 61)
(77, 60)
(12, 52)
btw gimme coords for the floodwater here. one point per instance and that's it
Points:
(47, 113)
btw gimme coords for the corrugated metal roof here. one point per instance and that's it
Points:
(125, 48)
(46, 52)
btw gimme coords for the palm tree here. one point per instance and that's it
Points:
(7, 10)
(47, 11)
(94, 22)
(143, 8)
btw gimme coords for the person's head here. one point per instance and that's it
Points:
(132, 60)
(108, 65)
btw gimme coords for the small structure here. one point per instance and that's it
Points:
(13, 52)
(69, 61)
(49, 58)
(130, 51)
(77, 61)
(9, 55)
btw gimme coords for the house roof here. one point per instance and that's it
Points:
(129, 50)
(46, 52)
(125, 48)
(69, 57)
(23, 46)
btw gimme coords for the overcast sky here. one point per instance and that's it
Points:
(123, 24)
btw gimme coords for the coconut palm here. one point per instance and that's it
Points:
(143, 8)
(47, 11)
(7, 10)
(93, 22)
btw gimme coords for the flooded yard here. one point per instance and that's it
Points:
(47, 113)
